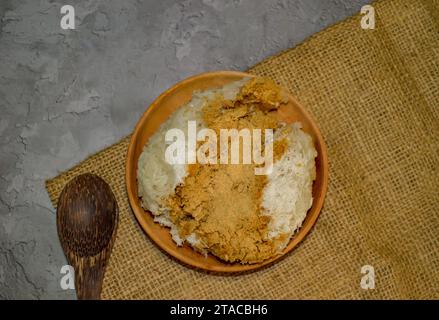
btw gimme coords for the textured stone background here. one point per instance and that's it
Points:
(65, 94)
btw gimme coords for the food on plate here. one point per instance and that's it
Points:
(241, 205)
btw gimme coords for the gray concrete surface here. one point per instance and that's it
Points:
(65, 94)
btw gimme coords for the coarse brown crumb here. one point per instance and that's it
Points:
(220, 203)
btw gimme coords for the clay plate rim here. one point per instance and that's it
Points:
(161, 239)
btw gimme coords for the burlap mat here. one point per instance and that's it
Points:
(375, 96)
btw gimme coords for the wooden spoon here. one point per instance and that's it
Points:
(87, 215)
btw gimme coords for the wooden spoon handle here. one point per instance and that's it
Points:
(89, 276)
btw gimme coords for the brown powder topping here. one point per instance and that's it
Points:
(220, 203)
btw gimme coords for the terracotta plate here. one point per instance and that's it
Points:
(158, 112)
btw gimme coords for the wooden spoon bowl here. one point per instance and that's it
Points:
(158, 112)
(86, 217)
